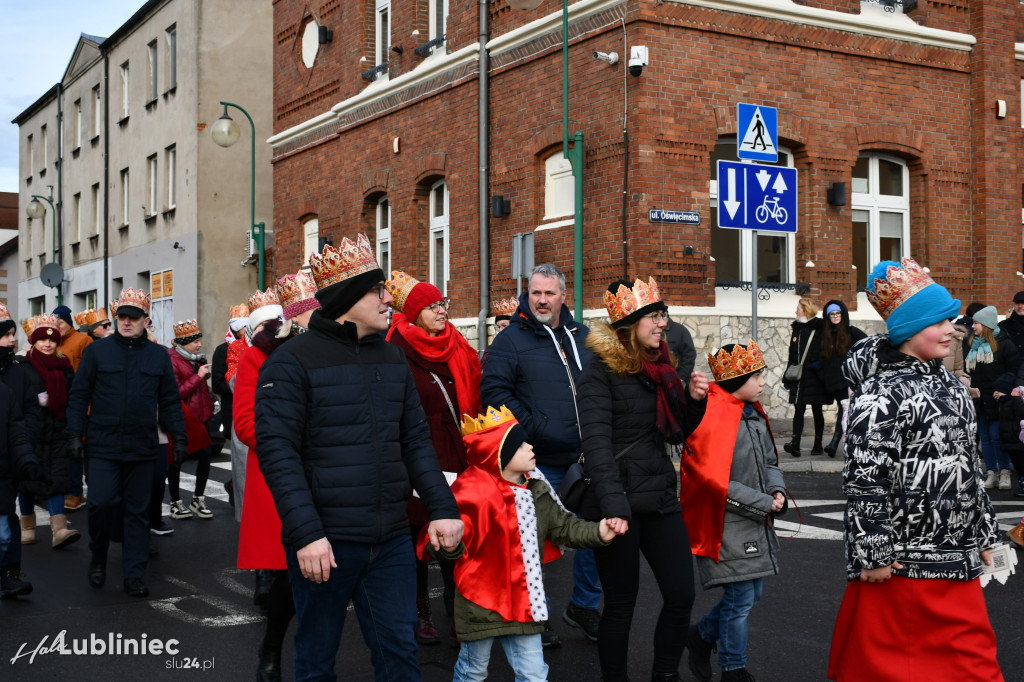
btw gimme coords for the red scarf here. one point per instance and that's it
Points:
(671, 393)
(449, 348)
(51, 368)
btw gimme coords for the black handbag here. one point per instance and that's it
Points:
(575, 483)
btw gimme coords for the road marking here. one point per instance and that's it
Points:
(232, 614)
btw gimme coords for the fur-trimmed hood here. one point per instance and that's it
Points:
(603, 341)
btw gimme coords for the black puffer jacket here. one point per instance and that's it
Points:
(810, 390)
(14, 373)
(984, 374)
(615, 410)
(16, 452)
(832, 366)
(533, 376)
(50, 442)
(340, 435)
(1013, 329)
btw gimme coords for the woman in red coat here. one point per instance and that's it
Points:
(191, 371)
(447, 374)
(259, 536)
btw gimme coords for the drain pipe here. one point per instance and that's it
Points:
(483, 137)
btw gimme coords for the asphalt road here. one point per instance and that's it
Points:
(199, 599)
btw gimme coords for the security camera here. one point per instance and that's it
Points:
(637, 59)
(610, 57)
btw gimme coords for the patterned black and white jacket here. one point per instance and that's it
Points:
(912, 475)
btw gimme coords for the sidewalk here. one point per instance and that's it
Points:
(819, 464)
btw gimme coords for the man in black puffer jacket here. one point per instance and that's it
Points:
(533, 368)
(340, 437)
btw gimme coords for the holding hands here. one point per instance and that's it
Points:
(616, 525)
(445, 534)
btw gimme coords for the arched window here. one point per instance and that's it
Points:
(383, 229)
(439, 236)
(880, 206)
(559, 187)
(310, 238)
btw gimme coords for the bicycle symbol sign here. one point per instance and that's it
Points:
(752, 197)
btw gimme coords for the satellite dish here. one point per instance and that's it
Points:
(52, 274)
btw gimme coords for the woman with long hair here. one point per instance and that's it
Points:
(631, 403)
(447, 374)
(805, 347)
(51, 380)
(837, 336)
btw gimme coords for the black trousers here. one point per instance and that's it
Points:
(817, 412)
(116, 485)
(663, 541)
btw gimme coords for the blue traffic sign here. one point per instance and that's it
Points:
(757, 135)
(752, 197)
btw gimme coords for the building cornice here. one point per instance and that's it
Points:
(872, 20)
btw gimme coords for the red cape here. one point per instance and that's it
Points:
(704, 474)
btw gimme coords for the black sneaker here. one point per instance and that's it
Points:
(586, 620)
(737, 675)
(699, 658)
(11, 584)
(549, 639)
(161, 529)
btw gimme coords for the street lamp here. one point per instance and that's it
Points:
(574, 155)
(36, 210)
(225, 132)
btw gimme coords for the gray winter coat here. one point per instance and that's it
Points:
(749, 546)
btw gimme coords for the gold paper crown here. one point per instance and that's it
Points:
(93, 316)
(400, 286)
(112, 307)
(258, 299)
(80, 318)
(48, 321)
(295, 288)
(134, 297)
(625, 301)
(4, 313)
(336, 265)
(486, 420)
(240, 310)
(740, 362)
(900, 283)
(185, 329)
(28, 325)
(505, 306)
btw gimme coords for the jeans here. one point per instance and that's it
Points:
(54, 504)
(119, 492)
(991, 448)
(380, 580)
(727, 622)
(525, 655)
(586, 586)
(10, 542)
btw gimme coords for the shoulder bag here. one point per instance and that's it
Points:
(574, 484)
(794, 373)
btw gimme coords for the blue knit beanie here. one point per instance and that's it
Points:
(908, 299)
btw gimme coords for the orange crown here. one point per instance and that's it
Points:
(487, 420)
(337, 265)
(296, 288)
(93, 316)
(4, 313)
(900, 283)
(80, 318)
(625, 301)
(48, 321)
(400, 286)
(183, 330)
(240, 310)
(28, 325)
(505, 306)
(134, 297)
(258, 299)
(740, 362)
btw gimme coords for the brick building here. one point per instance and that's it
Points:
(916, 112)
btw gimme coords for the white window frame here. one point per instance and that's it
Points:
(310, 238)
(126, 75)
(161, 310)
(439, 230)
(383, 234)
(747, 236)
(78, 124)
(30, 155)
(125, 193)
(381, 42)
(76, 218)
(170, 167)
(97, 111)
(171, 37)
(559, 184)
(97, 215)
(433, 29)
(45, 149)
(153, 59)
(875, 204)
(151, 186)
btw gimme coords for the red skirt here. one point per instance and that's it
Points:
(259, 536)
(909, 629)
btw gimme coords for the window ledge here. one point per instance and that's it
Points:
(76, 151)
(28, 180)
(169, 211)
(150, 218)
(94, 140)
(170, 91)
(75, 243)
(94, 239)
(42, 172)
(150, 104)
(556, 224)
(123, 122)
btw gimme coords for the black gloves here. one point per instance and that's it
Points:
(180, 450)
(76, 448)
(31, 471)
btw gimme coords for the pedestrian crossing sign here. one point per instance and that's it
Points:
(758, 132)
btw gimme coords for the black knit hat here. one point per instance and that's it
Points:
(1018, 297)
(515, 437)
(338, 298)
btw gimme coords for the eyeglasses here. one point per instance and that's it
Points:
(837, 313)
(380, 289)
(443, 304)
(657, 316)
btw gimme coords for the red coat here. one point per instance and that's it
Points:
(259, 537)
(195, 393)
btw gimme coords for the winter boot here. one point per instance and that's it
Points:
(28, 529)
(1017, 534)
(737, 675)
(699, 658)
(816, 449)
(11, 584)
(269, 669)
(62, 535)
(426, 633)
(833, 446)
(793, 446)
(261, 593)
(1020, 487)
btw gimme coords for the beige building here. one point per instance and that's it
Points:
(142, 195)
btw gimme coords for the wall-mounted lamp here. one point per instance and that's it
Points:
(836, 194)
(324, 35)
(500, 206)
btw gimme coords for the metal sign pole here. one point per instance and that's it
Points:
(753, 285)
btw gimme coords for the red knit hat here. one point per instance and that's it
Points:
(421, 296)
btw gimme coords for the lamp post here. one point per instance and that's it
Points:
(574, 155)
(225, 132)
(36, 210)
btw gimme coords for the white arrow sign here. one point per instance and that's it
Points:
(731, 205)
(763, 177)
(779, 186)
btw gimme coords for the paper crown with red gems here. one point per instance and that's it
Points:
(5, 314)
(297, 293)
(505, 307)
(741, 361)
(137, 298)
(901, 282)
(400, 286)
(47, 322)
(626, 301)
(258, 299)
(338, 264)
(187, 331)
(237, 311)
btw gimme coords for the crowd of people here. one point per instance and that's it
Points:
(368, 438)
